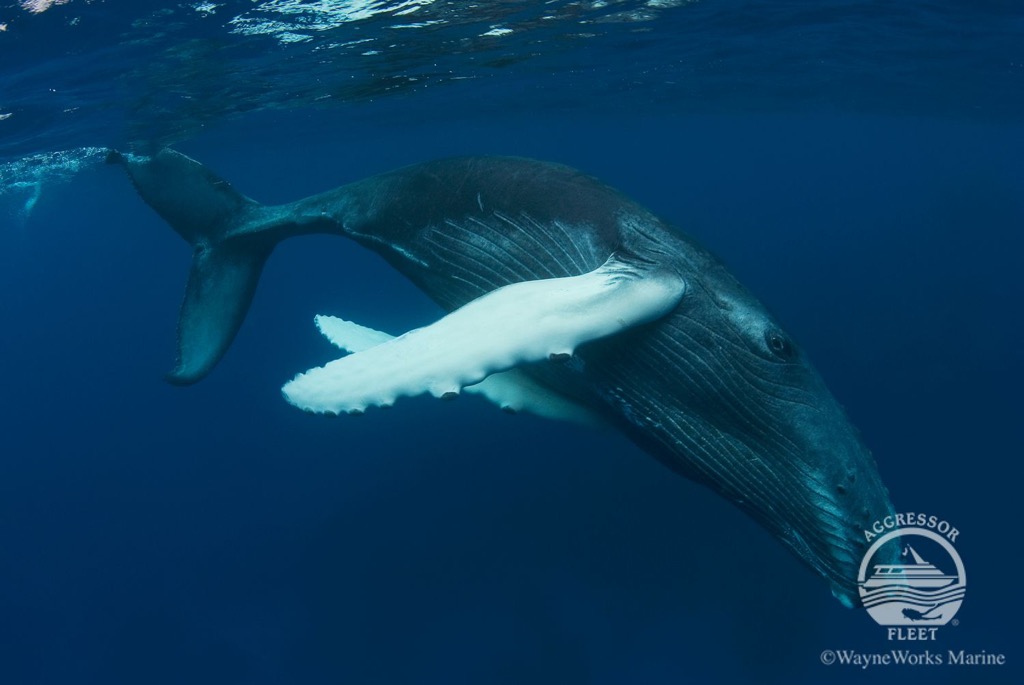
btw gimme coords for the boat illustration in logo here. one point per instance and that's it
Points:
(919, 574)
(914, 591)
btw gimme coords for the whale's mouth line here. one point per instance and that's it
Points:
(775, 486)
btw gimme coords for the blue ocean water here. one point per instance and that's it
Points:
(858, 165)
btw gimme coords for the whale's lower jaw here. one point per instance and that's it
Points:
(787, 455)
(821, 529)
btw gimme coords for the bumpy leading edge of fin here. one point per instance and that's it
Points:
(517, 324)
(512, 390)
(207, 212)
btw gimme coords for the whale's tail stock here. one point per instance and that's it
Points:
(226, 230)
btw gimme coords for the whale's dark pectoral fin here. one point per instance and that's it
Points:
(518, 324)
(220, 224)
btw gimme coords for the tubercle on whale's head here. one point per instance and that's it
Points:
(749, 416)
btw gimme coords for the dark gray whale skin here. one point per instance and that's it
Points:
(715, 390)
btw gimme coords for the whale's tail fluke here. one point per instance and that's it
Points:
(223, 226)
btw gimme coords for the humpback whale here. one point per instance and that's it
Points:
(565, 298)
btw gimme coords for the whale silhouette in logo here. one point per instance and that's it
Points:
(565, 299)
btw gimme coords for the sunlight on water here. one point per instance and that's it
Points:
(299, 18)
(37, 6)
(160, 73)
(294, 21)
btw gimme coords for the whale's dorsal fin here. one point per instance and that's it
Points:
(518, 324)
(512, 390)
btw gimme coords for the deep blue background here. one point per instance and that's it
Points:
(153, 534)
(858, 164)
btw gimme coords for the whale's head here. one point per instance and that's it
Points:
(725, 396)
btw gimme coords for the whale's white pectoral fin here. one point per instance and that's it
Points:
(511, 390)
(349, 335)
(514, 391)
(517, 324)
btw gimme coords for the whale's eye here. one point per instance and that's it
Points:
(779, 345)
